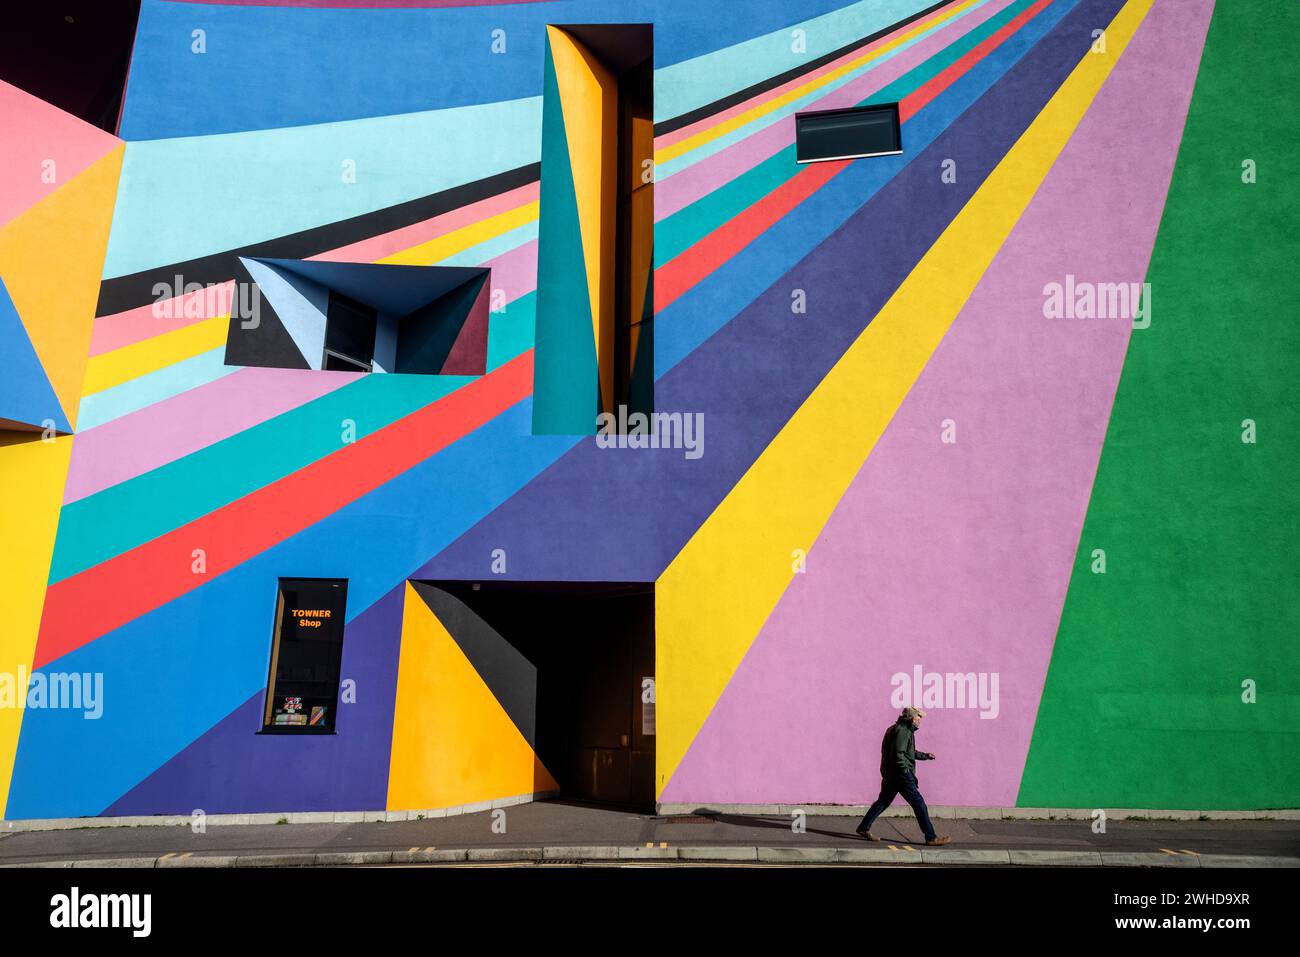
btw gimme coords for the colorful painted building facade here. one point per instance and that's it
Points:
(1001, 424)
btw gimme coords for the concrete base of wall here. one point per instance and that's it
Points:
(979, 813)
(938, 812)
(270, 817)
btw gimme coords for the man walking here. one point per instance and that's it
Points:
(898, 757)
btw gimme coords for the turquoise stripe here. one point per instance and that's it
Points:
(511, 331)
(119, 518)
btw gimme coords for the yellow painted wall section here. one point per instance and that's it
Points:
(714, 597)
(453, 743)
(52, 258)
(589, 98)
(32, 475)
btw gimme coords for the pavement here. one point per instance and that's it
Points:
(566, 832)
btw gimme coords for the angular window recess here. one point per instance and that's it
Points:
(594, 350)
(360, 317)
(847, 134)
(306, 654)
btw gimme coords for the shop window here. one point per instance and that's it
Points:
(306, 655)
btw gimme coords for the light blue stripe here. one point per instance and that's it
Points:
(697, 82)
(494, 247)
(180, 199)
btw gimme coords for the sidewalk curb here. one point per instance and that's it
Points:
(602, 854)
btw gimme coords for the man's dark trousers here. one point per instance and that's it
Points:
(891, 787)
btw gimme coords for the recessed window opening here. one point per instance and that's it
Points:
(854, 133)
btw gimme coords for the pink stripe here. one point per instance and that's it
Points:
(668, 139)
(378, 247)
(515, 272)
(145, 322)
(681, 189)
(170, 430)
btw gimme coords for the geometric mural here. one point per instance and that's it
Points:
(1001, 422)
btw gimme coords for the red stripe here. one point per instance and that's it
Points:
(680, 273)
(677, 276)
(94, 602)
(915, 101)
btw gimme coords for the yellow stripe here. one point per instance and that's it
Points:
(736, 122)
(458, 240)
(32, 473)
(713, 598)
(149, 355)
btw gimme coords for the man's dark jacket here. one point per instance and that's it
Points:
(898, 754)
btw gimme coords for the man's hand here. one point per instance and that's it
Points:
(929, 755)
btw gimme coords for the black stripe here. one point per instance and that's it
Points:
(128, 292)
(717, 106)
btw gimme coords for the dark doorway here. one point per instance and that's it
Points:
(74, 54)
(573, 663)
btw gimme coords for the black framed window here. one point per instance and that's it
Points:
(848, 134)
(350, 331)
(306, 654)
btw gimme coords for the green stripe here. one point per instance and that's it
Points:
(1143, 701)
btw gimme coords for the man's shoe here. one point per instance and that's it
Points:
(866, 835)
(936, 841)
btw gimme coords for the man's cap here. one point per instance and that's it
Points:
(910, 713)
